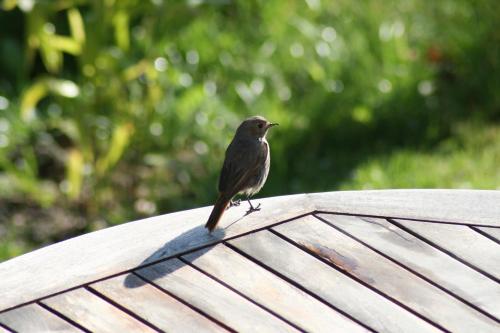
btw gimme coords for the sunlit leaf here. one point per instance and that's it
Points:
(31, 97)
(76, 25)
(74, 173)
(9, 4)
(40, 89)
(51, 57)
(316, 71)
(65, 88)
(121, 25)
(119, 141)
(65, 44)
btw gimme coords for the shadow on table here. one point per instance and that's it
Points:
(190, 239)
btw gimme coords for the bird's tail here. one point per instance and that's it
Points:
(219, 208)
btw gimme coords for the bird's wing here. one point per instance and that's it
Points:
(241, 163)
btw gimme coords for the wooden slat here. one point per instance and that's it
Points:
(153, 305)
(424, 259)
(103, 253)
(493, 232)
(462, 242)
(454, 206)
(34, 318)
(93, 313)
(384, 275)
(212, 298)
(270, 291)
(344, 293)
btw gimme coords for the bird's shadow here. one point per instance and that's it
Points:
(190, 239)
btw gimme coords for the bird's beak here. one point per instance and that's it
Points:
(272, 124)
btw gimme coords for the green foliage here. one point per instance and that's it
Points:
(112, 110)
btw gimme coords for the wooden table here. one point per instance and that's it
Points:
(387, 261)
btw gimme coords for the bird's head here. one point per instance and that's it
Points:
(254, 127)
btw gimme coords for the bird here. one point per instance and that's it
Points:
(245, 167)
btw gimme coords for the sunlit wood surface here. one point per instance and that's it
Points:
(380, 261)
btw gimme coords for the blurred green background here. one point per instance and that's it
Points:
(113, 110)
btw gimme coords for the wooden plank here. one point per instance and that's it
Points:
(100, 254)
(153, 305)
(461, 241)
(423, 259)
(271, 291)
(493, 232)
(454, 206)
(212, 298)
(34, 318)
(94, 313)
(384, 275)
(336, 288)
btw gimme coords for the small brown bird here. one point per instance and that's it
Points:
(245, 167)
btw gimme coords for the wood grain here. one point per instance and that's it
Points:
(423, 258)
(336, 288)
(453, 206)
(272, 292)
(153, 305)
(93, 313)
(34, 318)
(212, 298)
(462, 242)
(384, 275)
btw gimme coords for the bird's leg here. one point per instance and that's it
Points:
(252, 208)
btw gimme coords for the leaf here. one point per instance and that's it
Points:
(119, 141)
(121, 23)
(74, 173)
(65, 44)
(40, 89)
(30, 99)
(76, 25)
(51, 57)
(65, 88)
(9, 4)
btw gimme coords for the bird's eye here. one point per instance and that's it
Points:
(260, 125)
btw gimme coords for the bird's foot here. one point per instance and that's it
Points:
(234, 203)
(252, 208)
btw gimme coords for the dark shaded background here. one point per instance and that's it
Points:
(115, 110)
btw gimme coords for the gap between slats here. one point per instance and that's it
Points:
(8, 329)
(485, 234)
(316, 212)
(437, 246)
(63, 317)
(189, 305)
(122, 308)
(240, 293)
